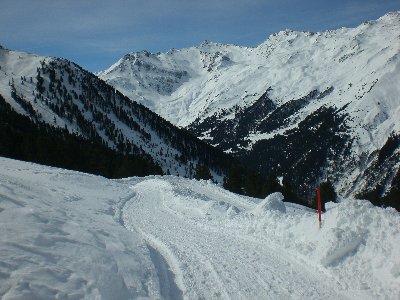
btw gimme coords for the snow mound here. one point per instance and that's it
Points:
(273, 202)
(358, 243)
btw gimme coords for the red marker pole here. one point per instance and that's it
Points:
(319, 205)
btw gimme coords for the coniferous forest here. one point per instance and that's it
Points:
(23, 139)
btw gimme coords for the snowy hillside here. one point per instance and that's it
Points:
(245, 100)
(60, 93)
(70, 235)
(183, 84)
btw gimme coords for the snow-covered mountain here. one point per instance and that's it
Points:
(59, 92)
(70, 235)
(302, 104)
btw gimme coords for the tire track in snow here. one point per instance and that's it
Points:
(217, 263)
(169, 289)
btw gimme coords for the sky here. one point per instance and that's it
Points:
(96, 33)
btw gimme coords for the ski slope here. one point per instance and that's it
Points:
(70, 235)
(213, 261)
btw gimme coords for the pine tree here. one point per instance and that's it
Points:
(288, 192)
(328, 191)
(202, 172)
(270, 186)
(233, 181)
(253, 184)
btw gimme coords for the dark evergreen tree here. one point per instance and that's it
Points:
(328, 192)
(233, 181)
(253, 184)
(202, 172)
(270, 186)
(288, 193)
(392, 199)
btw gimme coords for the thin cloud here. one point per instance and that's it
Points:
(81, 29)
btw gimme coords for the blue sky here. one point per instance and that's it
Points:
(95, 33)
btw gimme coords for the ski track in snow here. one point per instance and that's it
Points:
(70, 235)
(218, 263)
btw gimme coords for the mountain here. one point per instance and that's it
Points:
(22, 138)
(59, 93)
(308, 106)
(67, 234)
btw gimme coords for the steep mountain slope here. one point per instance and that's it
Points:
(303, 105)
(61, 93)
(21, 138)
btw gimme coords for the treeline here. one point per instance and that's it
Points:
(250, 183)
(392, 199)
(247, 182)
(87, 102)
(38, 142)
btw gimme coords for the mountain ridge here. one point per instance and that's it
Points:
(217, 59)
(351, 72)
(62, 94)
(305, 106)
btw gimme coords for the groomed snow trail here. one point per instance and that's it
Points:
(63, 235)
(189, 230)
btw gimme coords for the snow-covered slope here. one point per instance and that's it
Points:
(61, 238)
(61, 93)
(183, 85)
(66, 235)
(245, 99)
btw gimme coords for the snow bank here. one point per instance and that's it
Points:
(358, 243)
(271, 202)
(64, 234)
(357, 247)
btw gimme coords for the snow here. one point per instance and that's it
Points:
(361, 64)
(70, 235)
(59, 238)
(271, 202)
(14, 65)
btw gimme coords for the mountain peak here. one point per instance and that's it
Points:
(391, 16)
(207, 45)
(135, 55)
